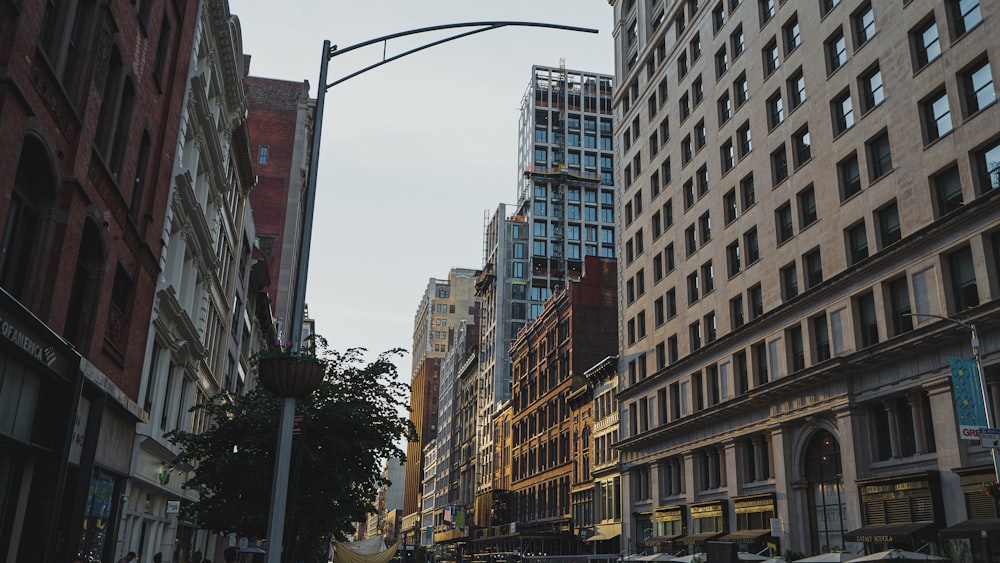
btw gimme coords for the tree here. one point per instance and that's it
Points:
(350, 426)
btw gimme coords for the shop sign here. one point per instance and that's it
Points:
(44, 354)
(79, 431)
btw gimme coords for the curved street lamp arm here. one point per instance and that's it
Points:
(487, 26)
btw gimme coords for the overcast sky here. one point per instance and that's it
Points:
(415, 152)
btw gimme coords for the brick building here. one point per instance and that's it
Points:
(575, 330)
(280, 118)
(89, 104)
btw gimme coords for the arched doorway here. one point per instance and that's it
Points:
(827, 510)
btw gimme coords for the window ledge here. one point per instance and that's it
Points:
(976, 113)
(936, 140)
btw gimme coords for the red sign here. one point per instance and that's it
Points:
(297, 425)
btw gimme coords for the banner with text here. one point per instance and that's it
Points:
(969, 405)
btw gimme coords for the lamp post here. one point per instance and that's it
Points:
(979, 373)
(279, 494)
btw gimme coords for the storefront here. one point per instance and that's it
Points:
(903, 511)
(753, 524)
(977, 538)
(39, 434)
(708, 521)
(670, 527)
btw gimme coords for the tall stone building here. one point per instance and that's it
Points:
(90, 105)
(804, 187)
(444, 305)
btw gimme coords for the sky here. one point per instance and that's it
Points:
(416, 153)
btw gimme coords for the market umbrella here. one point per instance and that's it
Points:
(897, 554)
(831, 557)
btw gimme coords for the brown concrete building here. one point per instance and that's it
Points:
(575, 330)
(90, 98)
(796, 180)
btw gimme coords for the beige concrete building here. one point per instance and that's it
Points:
(796, 179)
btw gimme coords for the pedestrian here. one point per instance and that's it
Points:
(230, 554)
(158, 557)
(129, 557)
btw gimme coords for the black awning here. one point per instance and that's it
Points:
(971, 528)
(657, 540)
(882, 533)
(602, 537)
(694, 539)
(746, 536)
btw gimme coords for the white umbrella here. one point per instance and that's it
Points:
(831, 557)
(897, 554)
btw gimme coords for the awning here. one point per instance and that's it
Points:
(694, 539)
(971, 528)
(657, 540)
(746, 536)
(881, 533)
(601, 537)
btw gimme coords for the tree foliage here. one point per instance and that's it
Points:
(351, 425)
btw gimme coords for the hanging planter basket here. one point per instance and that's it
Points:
(991, 488)
(290, 377)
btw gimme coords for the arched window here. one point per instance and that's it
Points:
(33, 183)
(827, 512)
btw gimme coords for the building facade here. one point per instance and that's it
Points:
(90, 105)
(575, 330)
(280, 119)
(201, 332)
(803, 186)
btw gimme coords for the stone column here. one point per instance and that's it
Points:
(731, 456)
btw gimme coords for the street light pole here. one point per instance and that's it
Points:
(977, 356)
(279, 499)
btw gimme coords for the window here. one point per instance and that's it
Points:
(836, 51)
(718, 17)
(812, 263)
(792, 34)
(772, 60)
(947, 190)
(977, 87)
(857, 243)
(899, 303)
(965, 15)
(725, 107)
(807, 207)
(668, 258)
(863, 22)
(867, 320)
(727, 156)
(671, 296)
(721, 62)
(849, 173)
(694, 333)
(821, 338)
(699, 135)
(668, 214)
(888, 224)
(682, 66)
(658, 312)
(736, 42)
(779, 165)
(744, 142)
(741, 92)
(796, 89)
(686, 152)
(789, 282)
(747, 192)
(986, 163)
(736, 311)
(709, 324)
(937, 116)
(707, 278)
(693, 288)
(697, 91)
(766, 8)
(729, 209)
(751, 247)
(872, 89)
(690, 241)
(879, 156)
(665, 129)
(662, 91)
(672, 353)
(688, 194)
(964, 290)
(733, 258)
(115, 119)
(65, 37)
(695, 47)
(705, 228)
(826, 5)
(801, 146)
(755, 298)
(926, 43)
(775, 110)
(843, 113)
(796, 350)
(783, 222)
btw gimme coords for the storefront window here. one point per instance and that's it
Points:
(98, 513)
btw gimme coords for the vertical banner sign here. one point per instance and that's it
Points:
(968, 398)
